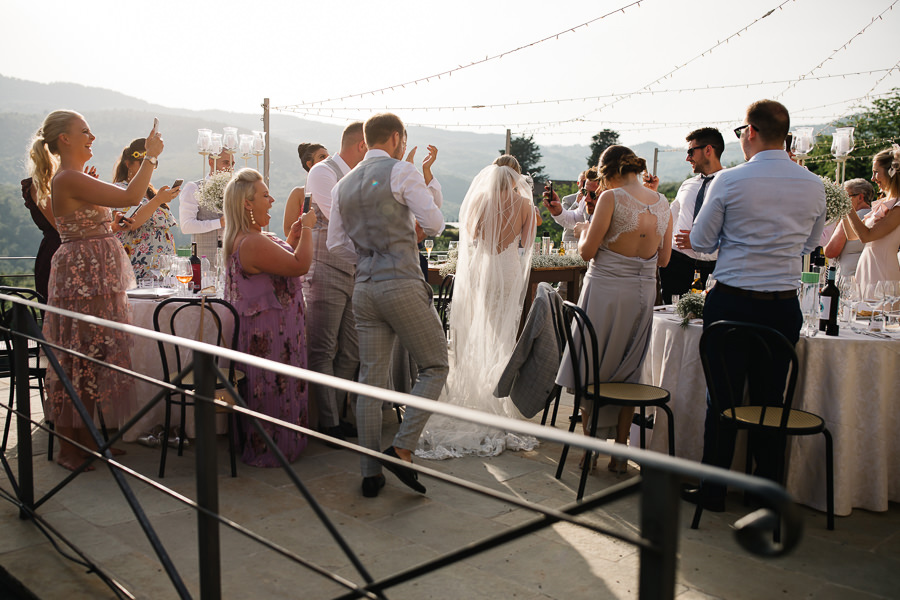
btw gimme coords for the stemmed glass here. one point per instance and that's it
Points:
(891, 295)
(710, 282)
(429, 244)
(165, 267)
(844, 286)
(154, 268)
(874, 297)
(183, 272)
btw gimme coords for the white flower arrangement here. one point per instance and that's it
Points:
(837, 201)
(690, 306)
(538, 261)
(212, 191)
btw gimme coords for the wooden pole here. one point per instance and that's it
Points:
(655, 159)
(508, 141)
(265, 120)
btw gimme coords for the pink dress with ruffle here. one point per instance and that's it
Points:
(89, 274)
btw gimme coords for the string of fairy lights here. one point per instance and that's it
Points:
(325, 109)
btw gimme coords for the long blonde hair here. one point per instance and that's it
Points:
(240, 188)
(42, 154)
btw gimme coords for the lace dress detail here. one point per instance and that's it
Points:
(628, 211)
(491, 279)
(89, 274)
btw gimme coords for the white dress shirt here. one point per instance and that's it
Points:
(321, 180)
(763, 216)
(188, 205)
(567, 219)
(684, 218)
(408, 188)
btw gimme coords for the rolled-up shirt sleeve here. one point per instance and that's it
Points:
(188, 205)
(339, 243)
(424, 201)
(567, 219)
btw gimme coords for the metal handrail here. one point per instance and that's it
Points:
(659, 480)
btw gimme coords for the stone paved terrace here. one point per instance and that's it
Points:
(859, 560)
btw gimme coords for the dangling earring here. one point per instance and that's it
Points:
(252, 219)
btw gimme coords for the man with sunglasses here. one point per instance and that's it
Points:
(704, 152)
(762, 216)
(580, 212)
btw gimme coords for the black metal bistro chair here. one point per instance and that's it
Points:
(187, 318)
(36, 373)
(559, 330)
(583, 352)
(740, 361)
(443, 300)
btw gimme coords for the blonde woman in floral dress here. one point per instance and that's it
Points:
(263, 283)
(89, 274)
(149, 234)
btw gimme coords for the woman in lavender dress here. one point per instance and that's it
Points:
(263, 283)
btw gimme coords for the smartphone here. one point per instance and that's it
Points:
(155, 124)
(306, 200)
(550, 194)
(177, 183)
(130, 213)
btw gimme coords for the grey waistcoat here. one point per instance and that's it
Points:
(381, 228)
(320, 232)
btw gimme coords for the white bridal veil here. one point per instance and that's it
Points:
(497, 228)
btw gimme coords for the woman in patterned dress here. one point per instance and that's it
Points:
(89, 274)
(148, 234)
(263, 283)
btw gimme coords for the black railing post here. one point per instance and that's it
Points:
(207, 478)
(660, 502)
(23, 407)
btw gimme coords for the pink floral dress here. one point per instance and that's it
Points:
(89, 274)
(273, 327)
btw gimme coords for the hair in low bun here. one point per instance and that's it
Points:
(619, 161)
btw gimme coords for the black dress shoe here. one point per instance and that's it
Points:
(409, 477)
(703, 499)
(348, 429)
(372, 485)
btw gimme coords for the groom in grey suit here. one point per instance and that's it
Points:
(376, 207)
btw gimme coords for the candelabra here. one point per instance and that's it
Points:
(842, 145)
(802, 143)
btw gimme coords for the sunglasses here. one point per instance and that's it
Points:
(590, 193)
(690, 151)
(739, 130)
(137, 154)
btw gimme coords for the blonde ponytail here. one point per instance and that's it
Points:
(42, 155)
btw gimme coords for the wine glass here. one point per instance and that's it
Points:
(183, 272)
(154, 268)
(891, 295)
(844, 285)
(710, 282)
(429, 244)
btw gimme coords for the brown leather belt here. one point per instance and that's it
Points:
(735, 291)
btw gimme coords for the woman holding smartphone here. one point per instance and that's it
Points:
(148, 232)
(310, 154)
(89, 274)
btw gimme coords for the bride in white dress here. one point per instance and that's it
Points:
(497, 226)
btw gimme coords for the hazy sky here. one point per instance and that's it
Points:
(226, 55)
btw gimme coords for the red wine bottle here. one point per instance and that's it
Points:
(195, 267)
(829, 302)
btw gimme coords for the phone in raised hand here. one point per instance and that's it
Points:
(177, 184)
(306, 200)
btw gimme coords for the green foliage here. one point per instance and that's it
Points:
(669, 189)
(600, 142)
(880, 123)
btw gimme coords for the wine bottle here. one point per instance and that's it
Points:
(196, 279)
(697, 285)
(829, 301)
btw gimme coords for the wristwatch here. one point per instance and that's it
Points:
(153, 160)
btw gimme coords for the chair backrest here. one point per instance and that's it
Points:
(559, 321)
(184, 319)
(742, 357)
(445, 295)
(582, 341)
(6, 316)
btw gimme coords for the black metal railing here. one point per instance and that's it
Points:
(658, 484)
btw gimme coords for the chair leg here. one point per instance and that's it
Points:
(586, 467)
(565, 450)
(670, 423)
(554, 394)
(231, 450)
(698, 512)
(164, 446)
(50, 440)
(556, 406)
(643, 427)
(829, 478)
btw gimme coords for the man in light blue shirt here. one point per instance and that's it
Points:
(762, 217)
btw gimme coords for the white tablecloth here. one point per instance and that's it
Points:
(145, 359)
(850, 381)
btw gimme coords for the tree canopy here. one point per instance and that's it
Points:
(600, 142)
(529, 156)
